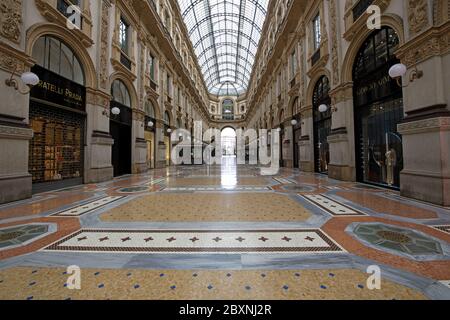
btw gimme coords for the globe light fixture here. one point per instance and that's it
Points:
(399, 70)
(29, 79)
(150, 124)
(294, 122)
(114, 111)
(323, 108)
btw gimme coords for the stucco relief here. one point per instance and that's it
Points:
(11, 19)
(417, 15)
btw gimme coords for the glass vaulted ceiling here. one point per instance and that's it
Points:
(225, 35)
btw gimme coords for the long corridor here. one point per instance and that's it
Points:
(224, 232)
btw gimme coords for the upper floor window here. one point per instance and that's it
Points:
(293, 63)
(149, 109)
(124, 30)
(120, 93)
(152, 67)
(167, 20)
(317, 32)
(52, 54)
(168, 84)
(63, 6)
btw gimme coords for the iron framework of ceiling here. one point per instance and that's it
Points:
(225, 35)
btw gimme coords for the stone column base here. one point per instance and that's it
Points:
(15, 188)
(426, 188)
(306, 166)
(140, 168)
(341, 172)
(426, 141)
(97, 175)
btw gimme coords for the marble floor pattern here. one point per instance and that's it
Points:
(224, 232)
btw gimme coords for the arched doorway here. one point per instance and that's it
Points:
(57, 116)
(228, 142)
(378, 105)
(282, 138)
(228, 109)
(322, 125)
(297, 132)
(167, 134)
(149, 134)
(120, 128)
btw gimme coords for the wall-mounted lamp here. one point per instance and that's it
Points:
(30, 79)
(150, 124)
(398, 71)
(294, 122)
(169, 130)
(324, 108)
(115, 111)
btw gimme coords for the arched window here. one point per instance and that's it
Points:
(378, 50)
(52, 54)
(167, 118)
(322, 125)
(120, 93)
(228, 109)
(321, 96)
(149, 109)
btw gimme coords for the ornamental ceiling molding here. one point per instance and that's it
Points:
(104, 45)
(433, 42)
(422, 126)
(342, 93)
(11, 19)
(334, 43)
(12, 59)
(16, 133)
(417, 16)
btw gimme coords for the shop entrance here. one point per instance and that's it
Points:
(378, 104)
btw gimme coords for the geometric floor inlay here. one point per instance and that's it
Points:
(14, 236)
(224, 188)
(445, 228)
(87, 207)
(198, 241)
(331, 206)
(209, 207)
(398, 239)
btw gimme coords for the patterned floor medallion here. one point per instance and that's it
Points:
(398, 239)
(87, 207)
(198, 241)
(19, 235)
(332, 206)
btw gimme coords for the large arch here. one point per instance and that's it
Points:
(387, 20)
(50, 29)
(156, 107)
(312, 84)
(131, 89)
(291, 106)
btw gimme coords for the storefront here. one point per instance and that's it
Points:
(378, 104)
(322, 125)
(297, 135)
(57, 117)
(120, 129)
(167, 134)
(149, 134)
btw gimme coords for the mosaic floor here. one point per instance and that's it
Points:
(224, 232)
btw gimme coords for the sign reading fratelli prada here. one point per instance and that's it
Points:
(58, 90)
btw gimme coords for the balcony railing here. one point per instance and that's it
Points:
(360, 8)
(315, 57)
(125, 61)
(63, 7)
